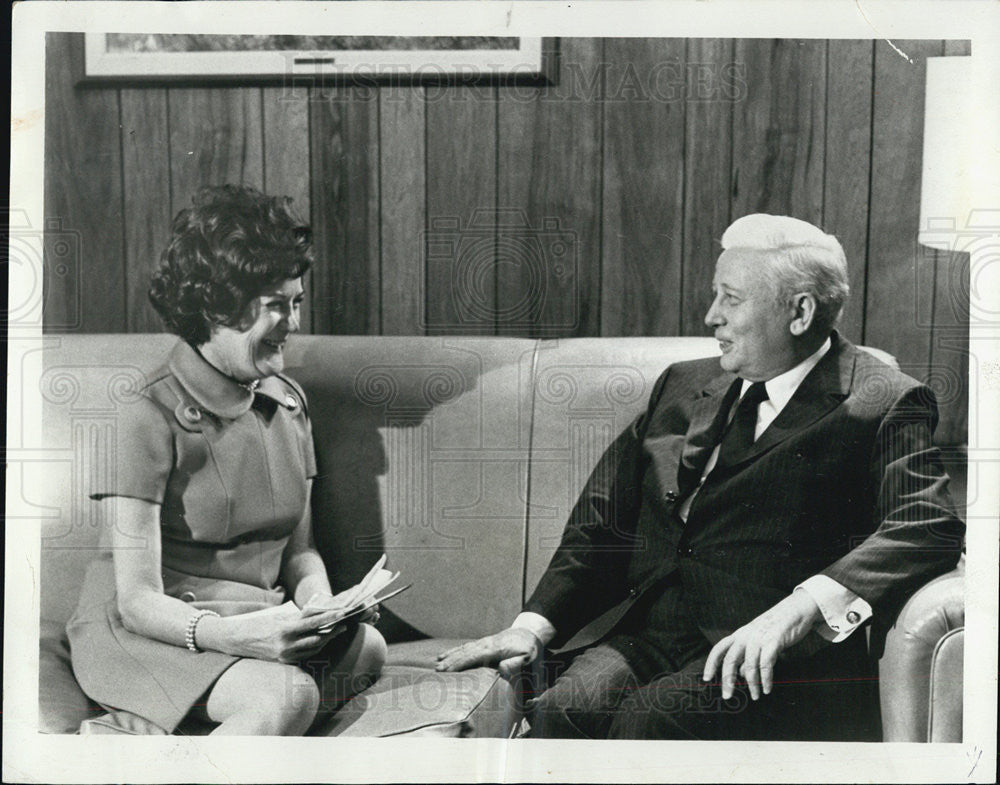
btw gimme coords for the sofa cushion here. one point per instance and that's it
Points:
(422, 447)
(62, 705)
(421, 654)
(422, 702)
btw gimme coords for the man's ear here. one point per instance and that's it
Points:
(803, 313)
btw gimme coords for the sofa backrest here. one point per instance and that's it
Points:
(459, 457)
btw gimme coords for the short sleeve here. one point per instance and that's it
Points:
(309, 450)
(143, 459)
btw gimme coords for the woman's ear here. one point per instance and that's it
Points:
(803, 313)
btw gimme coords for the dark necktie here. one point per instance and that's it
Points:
(739, 435)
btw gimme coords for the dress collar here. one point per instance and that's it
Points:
(217, 393)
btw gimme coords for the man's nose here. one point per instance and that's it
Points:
(713, 318)
(294, 320)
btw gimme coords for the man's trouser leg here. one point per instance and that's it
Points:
(585, 698)
(832, 696)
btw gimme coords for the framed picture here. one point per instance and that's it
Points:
(197, 58)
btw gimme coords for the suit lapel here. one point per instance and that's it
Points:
(708, 417)
(821, 391)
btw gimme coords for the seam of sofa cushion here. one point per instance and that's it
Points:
(945, 639)
(532, 377)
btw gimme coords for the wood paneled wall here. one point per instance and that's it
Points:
(590, 207)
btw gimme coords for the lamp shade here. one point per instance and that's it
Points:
(946, 185)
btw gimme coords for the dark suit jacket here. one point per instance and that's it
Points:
(844, 482)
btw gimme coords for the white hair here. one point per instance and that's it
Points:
(800, 258)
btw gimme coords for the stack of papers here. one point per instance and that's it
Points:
(354, 601)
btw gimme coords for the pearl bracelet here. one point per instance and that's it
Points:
(196, 617)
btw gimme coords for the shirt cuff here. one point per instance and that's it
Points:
(536, 624)
(843, 610)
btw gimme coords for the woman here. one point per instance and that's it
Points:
(197, 615)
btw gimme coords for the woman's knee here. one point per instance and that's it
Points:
(290, 703)
(372, 652)
(265, 698)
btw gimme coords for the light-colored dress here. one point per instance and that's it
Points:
(230, 468)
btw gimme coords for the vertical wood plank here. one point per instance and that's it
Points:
(643, 217)
(549, 164)
(215, 138)
(707, 155)
(146, 162)
(847, 166)
(403, 154)
(344, 149)
(286, 157)
(778, 137)
(460, 282)
(84, 287)
(900, 273)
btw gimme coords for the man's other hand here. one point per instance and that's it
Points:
(510, 650)
(752, 650)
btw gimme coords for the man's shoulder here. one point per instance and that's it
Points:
(694, 373)
(871, 370)
(878, 387)
(687, 377)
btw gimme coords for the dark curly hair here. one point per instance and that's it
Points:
(232, 245)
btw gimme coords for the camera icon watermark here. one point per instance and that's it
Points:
(968, 286)
(499, 271)
(45, 268)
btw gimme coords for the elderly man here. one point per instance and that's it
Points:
(715, 572)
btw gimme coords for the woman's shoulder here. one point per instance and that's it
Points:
(287, 392)
(161, 403)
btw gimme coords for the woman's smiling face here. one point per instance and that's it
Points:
(256, 348)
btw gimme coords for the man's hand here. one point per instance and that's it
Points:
(509, 650)
(753, 649)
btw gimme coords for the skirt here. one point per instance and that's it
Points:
(122, 670)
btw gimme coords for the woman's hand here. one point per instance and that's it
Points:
(371, 615)
(279, 634)
(327, 601)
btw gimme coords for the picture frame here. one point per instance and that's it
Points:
(196, 59)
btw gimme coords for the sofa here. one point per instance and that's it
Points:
(458, 457)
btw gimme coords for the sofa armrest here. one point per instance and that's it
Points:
(920, 673)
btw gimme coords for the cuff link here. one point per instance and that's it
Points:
(853, 617)
(291, 401)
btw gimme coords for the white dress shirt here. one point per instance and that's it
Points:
(843, 610)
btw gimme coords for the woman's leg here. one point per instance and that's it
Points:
(349, 664)
(257, 698)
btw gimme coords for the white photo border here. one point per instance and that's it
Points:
(32, 757)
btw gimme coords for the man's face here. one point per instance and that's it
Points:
(750, 324)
